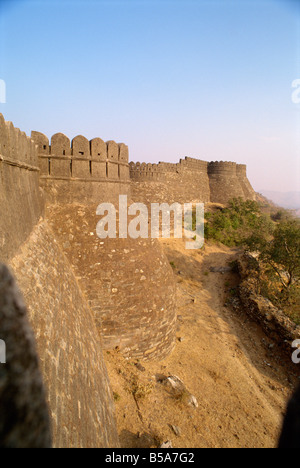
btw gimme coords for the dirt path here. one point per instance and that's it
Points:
(238, 376)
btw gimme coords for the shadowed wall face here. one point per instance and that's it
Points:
(69, 346)
(20, 198)
(24, 421)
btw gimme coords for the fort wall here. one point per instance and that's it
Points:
(224, 182)
(191, 180)
(128, 283)
(20, 197)
(77, 286)
(184, 182)
(134, 309)
(241, 170)
(82, 170)
(69, 347)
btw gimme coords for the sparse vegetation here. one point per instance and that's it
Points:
(279, 266)
(275, 238)
(116, 396)
(234, 224)
(140, 389)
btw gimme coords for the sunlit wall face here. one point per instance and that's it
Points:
(207, 79)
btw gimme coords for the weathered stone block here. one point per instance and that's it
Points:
(112, 151)
(113, 171)
(99, 170)
(81, 147)
(60, 167)
(98, 149)
(81, 169)
(42, 141)
(60, 145)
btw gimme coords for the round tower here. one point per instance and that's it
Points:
(224, 182)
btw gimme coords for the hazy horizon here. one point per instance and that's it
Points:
(211, 80)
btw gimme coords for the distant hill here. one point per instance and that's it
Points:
(288, 200)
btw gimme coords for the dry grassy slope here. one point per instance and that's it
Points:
(241, 383)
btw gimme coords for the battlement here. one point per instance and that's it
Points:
(81, 159)
(20, 198)
(16, 148)
(193, 179)
(194, 164)
(158, 171)
(221, 167)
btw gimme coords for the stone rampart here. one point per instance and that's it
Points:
(21, 201)
(81, 170)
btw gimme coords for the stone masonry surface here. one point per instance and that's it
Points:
(68, 343)
(84, 294)
(128, 283)
(24, 421)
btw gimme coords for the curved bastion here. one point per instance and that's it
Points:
(68, 345)
(191, 180)
(224, 182)
(84, 294)
(128, 283)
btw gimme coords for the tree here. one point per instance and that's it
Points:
(282, 254)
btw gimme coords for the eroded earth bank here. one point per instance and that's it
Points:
(240, 378)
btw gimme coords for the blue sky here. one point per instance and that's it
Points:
(207, 79)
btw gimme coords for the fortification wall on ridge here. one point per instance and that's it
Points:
(137, 318)
(184, 182)
(79, 396)
(82, 170)
(20, 197)
(191, 180)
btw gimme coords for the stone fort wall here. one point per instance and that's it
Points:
(68, 344)
(128, 283)
(190, 180)
(81, 170)
(184, 182)
(20, 197)
(77, 286)
(70, 351)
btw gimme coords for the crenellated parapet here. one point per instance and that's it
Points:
(224, 182)
(16, 148)
(81, 159)
(221, 167)
(193, 164)
(144, 172)
(193, 179)
(20, 198)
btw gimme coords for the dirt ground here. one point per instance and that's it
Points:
(239, 377)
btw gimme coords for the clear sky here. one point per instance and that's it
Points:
(170, 78)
